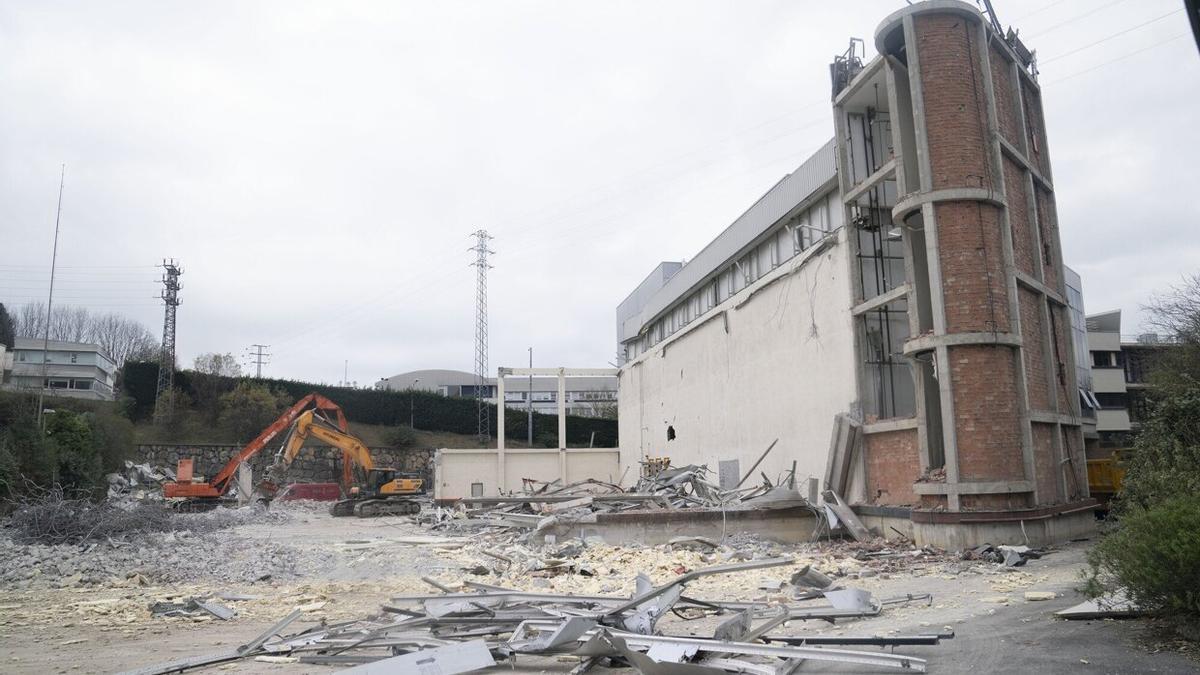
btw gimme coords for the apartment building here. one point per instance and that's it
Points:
(72, 369)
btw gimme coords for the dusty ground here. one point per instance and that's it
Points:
(344, 568)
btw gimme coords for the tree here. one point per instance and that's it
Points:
(1154, 553)
(79, 463)
(249, 408)
(222, 365)
(120, 338)
(123, 339)
(211, 378)
(7, 328)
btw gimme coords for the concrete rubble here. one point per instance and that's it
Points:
(477, 624)
(545, 508)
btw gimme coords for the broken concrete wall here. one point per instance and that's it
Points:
(774, 361)
(317, 464)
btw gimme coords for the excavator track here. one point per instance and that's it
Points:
(373, 508)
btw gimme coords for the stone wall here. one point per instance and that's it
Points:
(317, 464)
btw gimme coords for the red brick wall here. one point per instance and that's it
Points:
(1063, 370)
(1033, 338)
(1024, 253)
(970, 246)
(893, 463)
(996, 502)
(1048, 222)
(986, 417)
(1045, 464)
(954, 99)
(1073, 448)
(1006, 98)
(1035, 129)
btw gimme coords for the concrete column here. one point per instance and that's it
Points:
(499, 430)
(562, 410)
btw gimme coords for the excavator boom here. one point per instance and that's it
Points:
(219, 484)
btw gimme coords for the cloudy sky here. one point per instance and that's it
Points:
(318, 167)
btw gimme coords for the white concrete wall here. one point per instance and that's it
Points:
(1112, 420)
(783, 369)
(455, 470)
(1104, 341)
(1108, 380)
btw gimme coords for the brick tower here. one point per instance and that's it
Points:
(943, 163)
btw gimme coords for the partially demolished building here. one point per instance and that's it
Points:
(909, 275)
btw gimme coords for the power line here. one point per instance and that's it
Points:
(1039, 10)
(1119, 58)
(1042, 62)
(1071, 20)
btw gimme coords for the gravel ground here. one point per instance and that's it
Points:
(85, 609)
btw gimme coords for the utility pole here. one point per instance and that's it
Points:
(62, 179)
(166, 359)
(481, 333)
(529, 400)
(411, 391)
(258, 358)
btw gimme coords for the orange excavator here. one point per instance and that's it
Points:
(385, 492)
(209, 494)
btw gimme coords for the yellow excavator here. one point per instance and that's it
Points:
(384, 492)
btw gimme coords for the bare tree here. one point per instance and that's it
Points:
(120, 337)
(217, 364)
(1176, 311)
(31, 320)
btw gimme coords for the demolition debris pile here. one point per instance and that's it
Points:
(474, 626)
(543, 506)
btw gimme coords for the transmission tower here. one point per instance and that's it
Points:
(166, 358)
(481, 333)
(259, 358)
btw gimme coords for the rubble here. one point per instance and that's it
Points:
(138, 481)
(472, 628)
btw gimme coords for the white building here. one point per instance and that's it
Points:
(586, 396)
(707, 347)
(74, 369)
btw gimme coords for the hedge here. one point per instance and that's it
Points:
(432, 412)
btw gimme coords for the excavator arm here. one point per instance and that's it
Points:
(219, 484)
(354, 452)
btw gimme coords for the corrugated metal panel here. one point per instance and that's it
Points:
(788, 193)
(631, 307)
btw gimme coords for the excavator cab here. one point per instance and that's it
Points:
(388, 482)
(383, 493)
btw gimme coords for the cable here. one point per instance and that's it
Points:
(1039, 10)
(1119, 58)
(1073, 19)
(1042, 62)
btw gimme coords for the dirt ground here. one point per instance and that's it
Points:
(346, 568)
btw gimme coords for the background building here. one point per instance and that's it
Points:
(909, 274)
(75, 369)
(1121, 366)
(586, 396)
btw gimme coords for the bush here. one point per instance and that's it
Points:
(79, 465)
(1154, 556)
(401, 437)
(433, 412)
(1165, 461)
(249, 408)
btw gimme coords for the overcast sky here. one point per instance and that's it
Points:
(318, 167)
